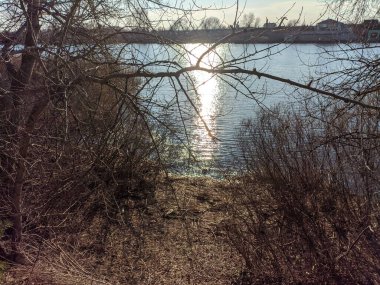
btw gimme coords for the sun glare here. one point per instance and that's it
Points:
(207, 98)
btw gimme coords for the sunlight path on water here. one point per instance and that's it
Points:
(207, 100)
(223, 102)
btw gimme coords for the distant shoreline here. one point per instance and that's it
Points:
(247, 36)
(297, 35)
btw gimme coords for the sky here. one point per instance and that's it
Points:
(312, 10)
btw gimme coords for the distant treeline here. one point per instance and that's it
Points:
(300, 34)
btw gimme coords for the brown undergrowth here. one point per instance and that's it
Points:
(176, 238)
(315, 218)
(236, 231)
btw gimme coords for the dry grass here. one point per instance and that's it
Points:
(176, 240)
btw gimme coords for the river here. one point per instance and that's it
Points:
(222, 101)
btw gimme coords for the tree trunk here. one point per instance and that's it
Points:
(15, 131)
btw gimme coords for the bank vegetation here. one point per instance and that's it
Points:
(87, 194)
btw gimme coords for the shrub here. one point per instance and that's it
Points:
(308, 207)
(92, 150)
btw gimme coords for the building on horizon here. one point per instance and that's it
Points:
(330, 25)
(269, 25)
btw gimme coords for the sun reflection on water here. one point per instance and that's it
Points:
(207, 92)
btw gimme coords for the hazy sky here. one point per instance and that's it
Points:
(272, 9)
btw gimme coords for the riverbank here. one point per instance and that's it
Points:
(299, 34)
(242, 36)
(206, 231)
(178, 239)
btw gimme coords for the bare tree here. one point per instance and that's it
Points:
(53, 56)
(181, 24)
(211, 23)
(247, 20)
(63, 47)
(355, 11)
(257, 22)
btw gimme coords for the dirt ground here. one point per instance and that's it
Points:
(178, 239)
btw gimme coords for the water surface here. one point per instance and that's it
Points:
(208, 109)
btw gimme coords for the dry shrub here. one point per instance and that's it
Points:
(93, 153)
(307, 210)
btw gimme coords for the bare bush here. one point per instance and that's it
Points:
(91, 150)
(308, 207)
